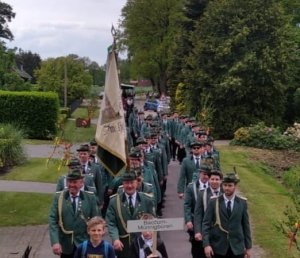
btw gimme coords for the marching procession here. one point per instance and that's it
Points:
(122, 176)
(216, 219)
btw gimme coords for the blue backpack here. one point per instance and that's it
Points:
(84, 247)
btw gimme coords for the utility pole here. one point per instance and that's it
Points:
(65, 85)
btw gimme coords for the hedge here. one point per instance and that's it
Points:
(11, 149)
(36, 113)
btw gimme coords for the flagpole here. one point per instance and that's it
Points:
(114, 48)
(111, 130)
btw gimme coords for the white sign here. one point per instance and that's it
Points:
(155, 225)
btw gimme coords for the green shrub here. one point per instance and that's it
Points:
(264, 137)
(35, 113)
(65, 110)
(291, 180)
(11, 149)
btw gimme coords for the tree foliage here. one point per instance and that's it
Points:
(28, 61)
(9, 79)
(241, 57)
(6, 15)
(148, 30)
(181, 45)
(51, 77)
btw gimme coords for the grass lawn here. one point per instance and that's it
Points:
(20, 209)
(267, 200)
(37, 142)
(75, 134)
(35, 170)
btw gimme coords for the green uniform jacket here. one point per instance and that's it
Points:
(144, 204)
(238, 227)
(178, 126)
(145, 128)
(150, 176)
(166, 126)
(172, 128)
(164, 140)
(72, 221)
(164, 157)
(187, 171)
(190, 198)
(95, 170)
(184, 134)
(137, 126)
(154, 157)
(200, 208)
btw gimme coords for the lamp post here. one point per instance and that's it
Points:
(65, 84)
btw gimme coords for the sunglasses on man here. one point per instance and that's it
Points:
(196, 148)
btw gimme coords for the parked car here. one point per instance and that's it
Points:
(157, 105)
(151, 104)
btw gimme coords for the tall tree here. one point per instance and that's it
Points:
(148, 28)
(28, 61)
(97, 72)
(9, 79)
(292, 8)
(6, 15)
(241, 63)
(181, 45)
(51, 77)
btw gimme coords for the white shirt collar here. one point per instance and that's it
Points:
(203, 185)
(216, 190)
(227, 200)
(133, 198)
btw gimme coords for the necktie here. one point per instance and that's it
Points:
(204, 186)
(229, 208)
(83, 169)
(74, 203)
(197, 163)
(216, 193)
(130, 205)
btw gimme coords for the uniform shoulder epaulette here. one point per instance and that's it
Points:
(120, 187)
(112, 195)
(148, 184)
(243, 198)
(214, 197)
(151, 162)
(147, 194)
(190, 183)
(59, 191)
(89, 192)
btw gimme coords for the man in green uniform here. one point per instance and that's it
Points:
(189, 168)
(88, 180)
(146, 127)
(129, 205)
(172, 130)
(93, 170)
(215, 179)
(190, 198)
(68, 215)
(226, 228)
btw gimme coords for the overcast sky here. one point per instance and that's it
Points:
(55, 28)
